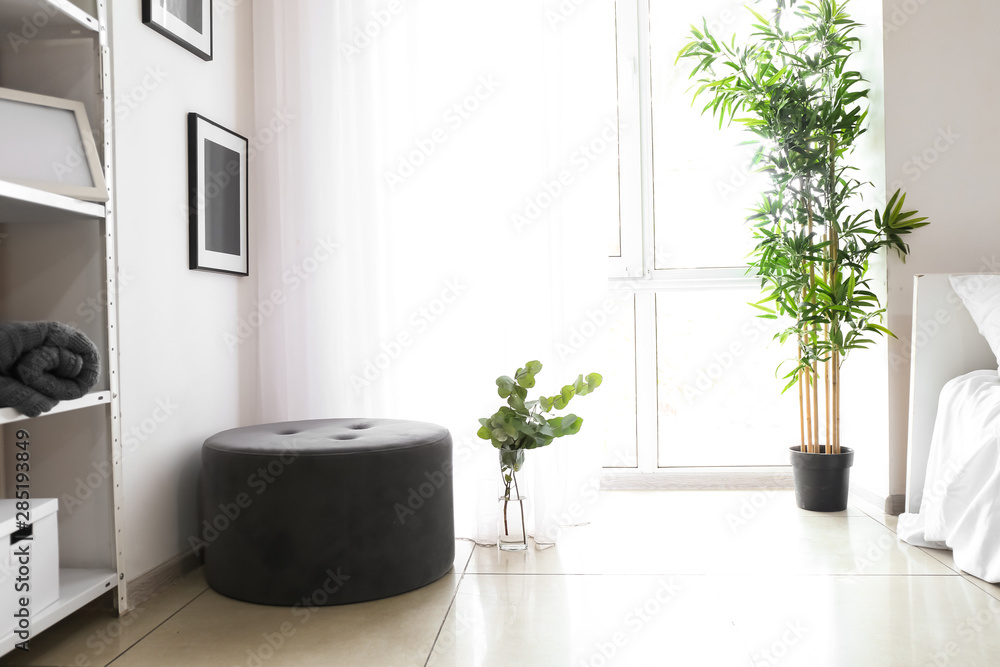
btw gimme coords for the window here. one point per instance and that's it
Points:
(706, 395)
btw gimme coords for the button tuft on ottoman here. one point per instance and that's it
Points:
(327, 511)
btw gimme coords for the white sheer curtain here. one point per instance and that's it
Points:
(395, 278)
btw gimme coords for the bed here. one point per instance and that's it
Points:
(953, 456)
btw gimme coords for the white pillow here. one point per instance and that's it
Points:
(981, 295)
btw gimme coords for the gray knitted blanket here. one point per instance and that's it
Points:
(42, 363)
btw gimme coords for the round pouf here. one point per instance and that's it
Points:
(328, 511)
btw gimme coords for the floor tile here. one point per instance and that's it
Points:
(945, 557)
(95, 637)
(716, 505)
(871, 621)
(463, 552)
(654, 532)
(887, 520)
(586, 621)
(942, 556)
(215, 630)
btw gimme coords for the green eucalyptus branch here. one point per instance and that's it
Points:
(523, 424)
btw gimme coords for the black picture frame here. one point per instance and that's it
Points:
(190, 24)
(218, 198)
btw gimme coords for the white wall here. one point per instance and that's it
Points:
(864, 424)
(942, 143)
(180, 382)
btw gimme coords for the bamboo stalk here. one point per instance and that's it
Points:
(833, 402)
(802, 417)
(804, 423)
(816, 404)
(834, 250)
(826, 394)
(826, 364)
(836, 402)
(809, 414)
(814, 415)
(839, 384)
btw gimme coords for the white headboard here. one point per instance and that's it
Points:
(945, 344)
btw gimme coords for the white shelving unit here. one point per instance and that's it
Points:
(64, 18)
(76, 588)
(20, 203)
(58, 254)
(10, 415)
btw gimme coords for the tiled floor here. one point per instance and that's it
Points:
(727, 578)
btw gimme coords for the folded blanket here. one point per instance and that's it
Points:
(42, 363)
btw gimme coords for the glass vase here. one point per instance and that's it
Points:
(512, 535)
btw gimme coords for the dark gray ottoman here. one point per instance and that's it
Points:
(328, 511)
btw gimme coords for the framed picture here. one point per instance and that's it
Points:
(187, 22)
(46, 143)
(217, 183)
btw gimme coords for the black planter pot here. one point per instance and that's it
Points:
(822, 480)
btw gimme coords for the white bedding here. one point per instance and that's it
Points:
(960, 508)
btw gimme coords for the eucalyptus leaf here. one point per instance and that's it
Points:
(520, 425)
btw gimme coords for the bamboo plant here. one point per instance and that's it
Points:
(794, 90)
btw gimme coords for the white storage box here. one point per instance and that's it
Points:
(42, 578)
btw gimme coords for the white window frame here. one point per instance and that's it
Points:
(636, 271)
(631, 263)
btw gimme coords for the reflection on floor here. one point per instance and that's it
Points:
(716, 578)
